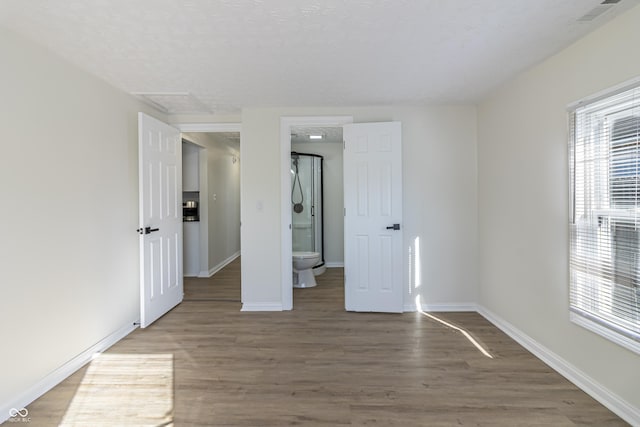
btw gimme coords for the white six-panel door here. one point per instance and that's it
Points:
(373, 205)
(160, 169)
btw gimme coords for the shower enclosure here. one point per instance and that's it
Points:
(306, 204)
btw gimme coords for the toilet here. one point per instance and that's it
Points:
(303, 263)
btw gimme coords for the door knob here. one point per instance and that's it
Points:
(394, 227)
(146, 230)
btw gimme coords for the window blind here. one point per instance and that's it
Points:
(605, 213)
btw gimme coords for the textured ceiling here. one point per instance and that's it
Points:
(228, 54)
(231, 139)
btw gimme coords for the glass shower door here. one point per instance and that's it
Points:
(306, 203)
(302, 204)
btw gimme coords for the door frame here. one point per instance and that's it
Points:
(286, 253)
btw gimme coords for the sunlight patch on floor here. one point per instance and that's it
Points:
(454, 327)
(124, 390)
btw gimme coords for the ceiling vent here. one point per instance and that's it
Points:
(598, 10)
(173, 102)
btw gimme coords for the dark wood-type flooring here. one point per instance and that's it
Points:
(320, 365)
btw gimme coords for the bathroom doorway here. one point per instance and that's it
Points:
(373, 238)
(321, 228)
(315, 136)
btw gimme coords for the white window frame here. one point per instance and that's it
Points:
(625, 337)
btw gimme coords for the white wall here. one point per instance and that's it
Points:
(523, 200)
(333, 198)
(439, 160)
(222, 213)
(69, 191)
(190, 167)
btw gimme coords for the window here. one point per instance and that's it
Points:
(605, 215)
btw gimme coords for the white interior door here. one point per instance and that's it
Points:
(160, 166)
(373, 216)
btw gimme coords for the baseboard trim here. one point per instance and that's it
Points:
(219, 266)
(334, 264)
(613, 402)
(63, 372)
(443, 307)
(458, 306)
(409, 308)
(262, 306)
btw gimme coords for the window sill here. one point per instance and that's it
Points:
(607, 333)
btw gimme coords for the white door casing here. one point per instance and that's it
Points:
(160, 178)
(373, 203)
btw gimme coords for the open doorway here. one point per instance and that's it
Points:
(211, 201)
(317, 194)
(373, 234)
(317, 214)
(295, 133)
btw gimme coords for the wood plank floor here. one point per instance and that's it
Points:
(320, 365)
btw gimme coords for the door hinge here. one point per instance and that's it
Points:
(344, 144)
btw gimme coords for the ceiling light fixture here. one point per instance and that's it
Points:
(315, 136)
